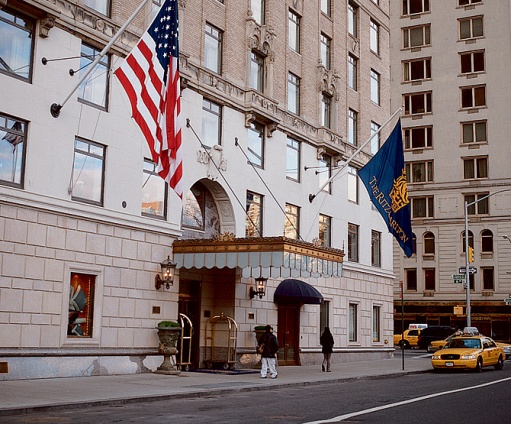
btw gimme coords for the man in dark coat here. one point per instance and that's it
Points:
(327, 342)
(269, 345)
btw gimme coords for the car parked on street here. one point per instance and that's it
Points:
(436, 345)
(408, 339)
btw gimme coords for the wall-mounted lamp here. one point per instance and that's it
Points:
(167, 271)
(259, 290)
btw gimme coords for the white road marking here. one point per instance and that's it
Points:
(393, 405)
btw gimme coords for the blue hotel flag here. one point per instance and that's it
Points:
(385, 179)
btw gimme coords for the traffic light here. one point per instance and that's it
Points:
(470, 254)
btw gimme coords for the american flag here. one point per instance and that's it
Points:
(150, 77)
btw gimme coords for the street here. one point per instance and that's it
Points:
(420, 398)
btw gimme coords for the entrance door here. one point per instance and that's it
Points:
(189, 292)
(288, 334)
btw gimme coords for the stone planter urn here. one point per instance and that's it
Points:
(169, 333)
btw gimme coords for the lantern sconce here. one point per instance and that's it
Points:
(260, 289)
(167, 270)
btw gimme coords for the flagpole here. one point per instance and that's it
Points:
(313, 196)
(55, 108)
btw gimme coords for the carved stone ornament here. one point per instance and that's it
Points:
(227, 236)
(321, 152)
(45, 25)
(3, 3)
(249, 118)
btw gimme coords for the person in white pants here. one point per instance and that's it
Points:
(268, 347)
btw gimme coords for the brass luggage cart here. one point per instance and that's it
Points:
(184, 359)
(221, 341)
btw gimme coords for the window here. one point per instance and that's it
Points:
(473, 96)
(429, 243)
(294, 31)
(352, 72)
(213, 49)
(81, 305)
(254, 219)
(411, 279)
(419, 172)
(414, 242)
(293, 160)
(376, 323)
(94, 89)
(467, 2)
(474, 132)
(417, 70)
(256, 144)
(418, 137)
(429, 279)
(326, 7)
(154, 192)
(258, 10)
(375, 87)
(102, 6)
(325, 230)
(411, 7)
(375, 140)
(374, 37)
(211, 123)
(352, 242)
(353, 322)
(486, 241)
(488, 279)
(325, 172)
(256, 71)
(471, 27)
(352, 184)
(352, 20)
(88, 172)
(472, 62)
(12, 150)
(324, 315)
(194, 208)
(422, 207)
(292, 222)
(479, 208)
(375, 248)
(17, 35)
(325, 47)
(475, 168)
(470, 239)
(417, 103)
(326, 110)
(352, 127)
(293, 93)
(419, 36)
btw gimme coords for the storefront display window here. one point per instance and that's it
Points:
(81, 305)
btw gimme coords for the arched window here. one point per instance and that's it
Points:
(200, 217)
(470, 240)
(429, 243)
(487, 241)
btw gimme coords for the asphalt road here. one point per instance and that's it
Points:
(453, 397)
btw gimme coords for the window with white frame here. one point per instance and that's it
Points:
(326, 110)
(325, 50)
(325, 172)
(213, 49)
(352, 72)
(325, 230)
(475, 168)
(352, 19)
(254, 215)
(256, 144)
(486, 241)
(374, 36)
(376, 323)
(422, 207)
(417, 69)
(154, 192)
(292, 222)
(211, 123)
(429, 243)
(418, 137)
(257, 71)
(411, 279)
(471, 27)
(375, 87)
(418, 36)
(418, 103)
(353, 322)
(293, 159)
(94, 89)
(419, 172)
(101, 6)
(352, 184)
(12, 150)
(412, 7)
(472, 62)
(17, 35)
(293, 93)
(352, 127)
(375, 248)
(474, 132)
(88, 172)
(258, 8)
(353, 242)
(326, 7)
(474, 96)
(294, 31)
(375, 140)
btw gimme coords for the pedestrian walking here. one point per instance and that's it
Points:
(327, 345)
(268, 346)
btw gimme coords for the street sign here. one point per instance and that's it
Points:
(458, 278)
(471, 270)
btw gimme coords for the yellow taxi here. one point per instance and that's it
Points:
(469, 352)
(439, 344)
(409, 338)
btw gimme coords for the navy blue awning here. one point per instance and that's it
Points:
(297, 291)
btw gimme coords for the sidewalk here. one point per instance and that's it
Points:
(24, 396)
